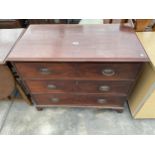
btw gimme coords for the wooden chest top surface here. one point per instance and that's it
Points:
(110, 42)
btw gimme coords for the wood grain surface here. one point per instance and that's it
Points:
(7, 82)
(72, 86)
(77, 71)
(110, 42)
(79, 100)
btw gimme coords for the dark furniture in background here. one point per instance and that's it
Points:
(139, 25)
(10, 23)
(51, 21)
(23, 23)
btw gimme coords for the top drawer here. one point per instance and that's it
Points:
(77, 71)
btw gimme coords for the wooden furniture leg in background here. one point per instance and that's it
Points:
(7, 82)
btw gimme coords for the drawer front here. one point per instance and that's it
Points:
(46, 70)
(105, 87)
(78, 100)
(85, 71)
(50, 86)
(59, 86)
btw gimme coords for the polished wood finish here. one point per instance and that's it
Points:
(75, 79)
(78, 66)
(51, 86)
(80, 86)
(79, 100)
(78, 43)
(96, 71)
(119, 88)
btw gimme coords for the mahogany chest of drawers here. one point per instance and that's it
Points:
(78, 65)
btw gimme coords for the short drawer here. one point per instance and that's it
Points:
(105, 87)
(51, 86)
(78, 86)
(78, 100)
(85, 71)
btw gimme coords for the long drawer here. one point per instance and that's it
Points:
(63, 86)
(78, 100)
(76, 71)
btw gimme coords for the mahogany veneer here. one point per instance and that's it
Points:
(70, 70)
(78, 65)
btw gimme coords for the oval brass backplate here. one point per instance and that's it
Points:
(102, 101)
(51, 86)
(45, 71)
(108, 72)
(104, 88)
(54, 100)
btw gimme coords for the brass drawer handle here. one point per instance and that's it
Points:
(108, 72)
(51, 86)
(45, 71)
(104, 88)
(102, 101)
(54, 100)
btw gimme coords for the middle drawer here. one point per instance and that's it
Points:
(63, 86)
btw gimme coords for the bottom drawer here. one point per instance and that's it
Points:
(96, 100)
